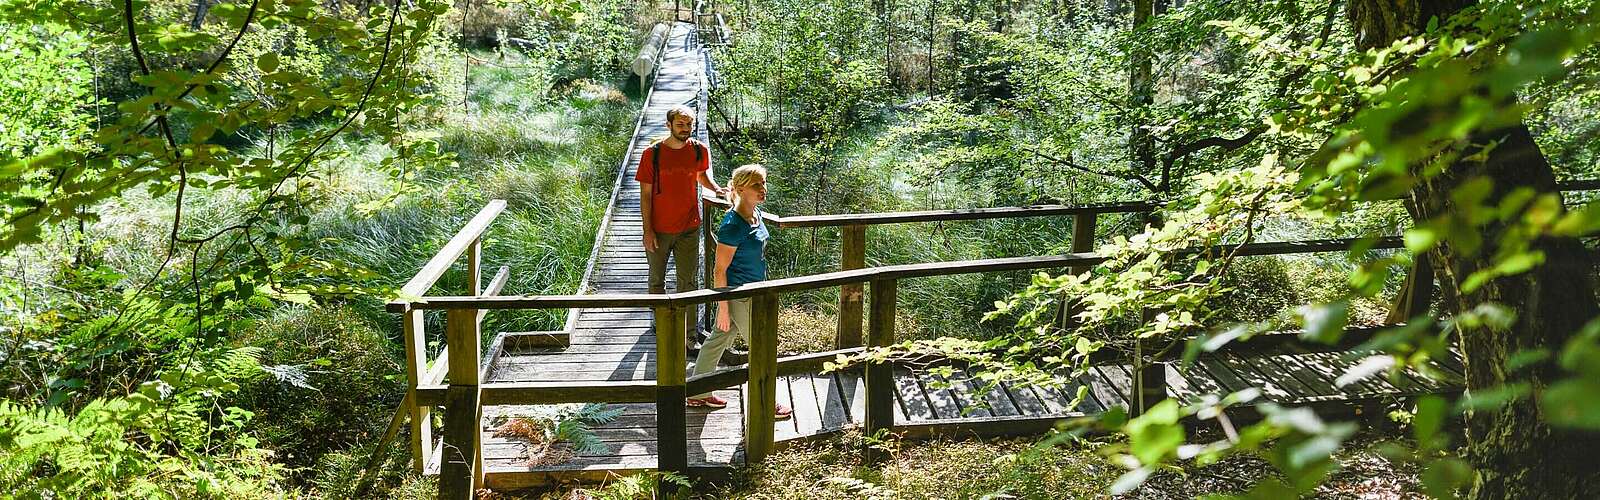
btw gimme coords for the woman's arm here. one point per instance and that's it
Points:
(719, 279)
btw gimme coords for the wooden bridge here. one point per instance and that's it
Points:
(608, 353)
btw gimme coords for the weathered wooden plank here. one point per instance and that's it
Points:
(1101, 389)
(764, 386)
(831, 399)
(913, 399)
(807, 412)
(991, 398)
(419, 284)
(945, 404)
(1273, 390)
(853, 252)
(826, 280)
(1119, 379)
(671, 434)
(879, 379)
(1273, 372)
(960, 214)
(854, 385)
(1028, 403)
(782, 429)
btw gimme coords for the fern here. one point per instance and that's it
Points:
(557, 424)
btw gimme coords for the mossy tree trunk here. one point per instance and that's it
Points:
(1516, 453)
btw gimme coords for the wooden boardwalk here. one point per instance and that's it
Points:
(616, 344)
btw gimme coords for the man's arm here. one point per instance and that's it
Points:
(706, 180)
(646, 198)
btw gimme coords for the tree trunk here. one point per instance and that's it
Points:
(200, 9)
(1516, 454)
(1141, 90)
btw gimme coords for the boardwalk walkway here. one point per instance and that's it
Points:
(616, 344)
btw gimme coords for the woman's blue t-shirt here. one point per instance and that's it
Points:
(749, 257)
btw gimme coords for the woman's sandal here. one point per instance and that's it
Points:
(706, 402)
(781, 412)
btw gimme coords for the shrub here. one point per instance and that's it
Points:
(349, 389)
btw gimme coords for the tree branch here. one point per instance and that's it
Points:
(1069, 164)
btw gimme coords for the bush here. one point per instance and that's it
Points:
(349, 389)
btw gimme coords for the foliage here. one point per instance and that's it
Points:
(47, 85)
(636, 486)
(554, 430)
(169, 439)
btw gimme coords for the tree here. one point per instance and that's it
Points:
(1516, 452)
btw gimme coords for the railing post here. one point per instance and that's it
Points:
(853, 255)
(1149, 380)
(709, 258)
(1082, 241)
(880, 376)
(763, 385)
(1417, 293)
(420, 415)
(475, 265)
(461, 467)
(672, 445)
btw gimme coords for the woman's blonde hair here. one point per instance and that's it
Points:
(744, 176)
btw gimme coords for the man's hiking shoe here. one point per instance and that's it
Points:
(706, 402)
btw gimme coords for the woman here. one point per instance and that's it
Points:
(741, 258)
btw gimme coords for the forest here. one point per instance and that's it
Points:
(211, 207)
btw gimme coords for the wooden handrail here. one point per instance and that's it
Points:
(962, 214)
(957, 214)
(826, 280)
(430, 272)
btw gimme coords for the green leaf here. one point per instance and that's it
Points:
(268, 62)
(1430, 417)
(1441, 478)
(1573, 403)
(1325, 322)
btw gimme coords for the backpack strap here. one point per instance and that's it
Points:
(655, 161)
(655, 166)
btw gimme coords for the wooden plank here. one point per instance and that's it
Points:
(1273, 390)
(878, 379)
(854, 385)
(961, 214)
(831, 398)
(782, 429)
(1101, 389)
(853, 241)
(504, 393)
(827, 280)
(671, 437)
(1119, 380)
(945, 404)
(807, 413)
(1274, 373)
(419, 415)
(419, 284)
(461, 463)
(914, 403)
(1028, 403)
(991, 399)
(763, 387)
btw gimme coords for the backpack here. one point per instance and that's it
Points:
(655, 161)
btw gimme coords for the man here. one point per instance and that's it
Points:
(668, 201)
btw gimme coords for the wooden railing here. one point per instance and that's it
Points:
(466, 392)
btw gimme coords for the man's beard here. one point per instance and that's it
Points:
(682, 137)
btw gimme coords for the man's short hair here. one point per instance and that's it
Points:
(677, 111)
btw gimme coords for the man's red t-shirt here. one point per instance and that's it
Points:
(673, 210)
